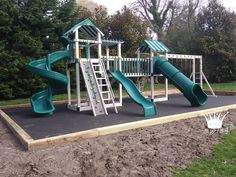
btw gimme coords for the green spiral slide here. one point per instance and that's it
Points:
(149, 107)
(192, 91)
(42, 101)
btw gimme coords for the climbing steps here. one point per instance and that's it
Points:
(92, 89)
(98, 86)
(103, 83)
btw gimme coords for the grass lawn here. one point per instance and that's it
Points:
(26, 100)
(59, 97)
(222, 164)
(231, 86)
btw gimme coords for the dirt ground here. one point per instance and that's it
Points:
(146, 152)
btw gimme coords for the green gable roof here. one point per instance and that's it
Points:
(87, 26)
(155, 46)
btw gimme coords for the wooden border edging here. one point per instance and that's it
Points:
(30, 144)
(55, 140)
(24, 137)
(160, 120)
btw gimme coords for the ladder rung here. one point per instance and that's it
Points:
(101, 78)
(103, 85)
(105, 92)
(107, 99)
(97, 65)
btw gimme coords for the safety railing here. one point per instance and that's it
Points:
(130, 67)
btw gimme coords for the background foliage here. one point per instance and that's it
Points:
(31, 29)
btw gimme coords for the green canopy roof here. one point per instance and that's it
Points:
(87, 26)
(155, 46)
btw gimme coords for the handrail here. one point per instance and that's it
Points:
(109, 85)
(131, 67)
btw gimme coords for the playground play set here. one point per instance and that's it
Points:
(84, 57)
(96, 71)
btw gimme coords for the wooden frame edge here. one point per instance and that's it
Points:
(56, 140)
(30, 144)
(160, 120)
(21, 134)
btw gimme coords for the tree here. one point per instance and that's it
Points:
(216, 41)
(191, 12)
(17, 45)
(181, 32)
(88, 4)
(126, 26)
(28, 30)
(101, 18)
(157, 13)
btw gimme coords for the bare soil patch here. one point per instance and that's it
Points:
(145, 152)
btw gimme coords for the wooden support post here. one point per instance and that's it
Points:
(119, 58)
(152, 76)
(108, 65)
(77, 67)
(107, 56)
(194, 70)
(166, 83)
(138, 65)
(200, 72)
(69, 84)
(99, 45)
(88, 46)
(99, 54)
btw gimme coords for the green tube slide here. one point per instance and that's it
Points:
(193, 92)
(42, 101)
(149, 107)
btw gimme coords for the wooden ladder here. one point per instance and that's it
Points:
(104, 85)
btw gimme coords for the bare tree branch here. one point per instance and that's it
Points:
(156, 12)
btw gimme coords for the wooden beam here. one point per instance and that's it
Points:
(22, 136)
(56, 140)
(160, 120)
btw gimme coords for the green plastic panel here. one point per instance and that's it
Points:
(42, 101)
(192, 91)
(149, 107)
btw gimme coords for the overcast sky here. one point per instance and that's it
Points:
(114, 5)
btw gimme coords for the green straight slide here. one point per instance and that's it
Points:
(149, 107)
(42, 101)
(193, 92)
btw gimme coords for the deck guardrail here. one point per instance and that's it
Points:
(130, 67)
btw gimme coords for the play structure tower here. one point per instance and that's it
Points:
(152, 48)
(96, 80)
(85, 55)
